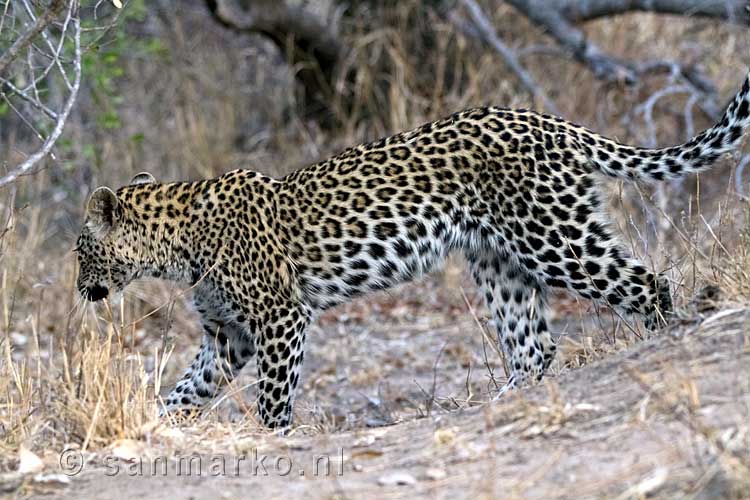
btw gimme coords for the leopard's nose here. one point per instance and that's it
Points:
(96, 292)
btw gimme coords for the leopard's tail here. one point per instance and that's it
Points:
(697, 154)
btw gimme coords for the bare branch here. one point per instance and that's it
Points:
(279, 19)
(26, 166)
(739, 174)
(34, 102)
(25, 39)
(699, 84)
(735, 11)
(488, 35)
(552, 20)
(556, 17)
(647, 109)
(313, 47)
(55, 51)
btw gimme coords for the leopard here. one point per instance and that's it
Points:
(517, 192)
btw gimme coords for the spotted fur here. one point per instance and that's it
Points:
(514, 190)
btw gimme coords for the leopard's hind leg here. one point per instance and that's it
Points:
(597, 267)
(517, 302)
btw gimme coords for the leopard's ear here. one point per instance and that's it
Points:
(103, 212)
(142, 178)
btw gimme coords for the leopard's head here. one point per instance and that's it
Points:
(109, 249)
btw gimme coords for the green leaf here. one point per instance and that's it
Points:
(111, 120)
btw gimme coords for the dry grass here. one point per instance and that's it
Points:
(74, 374)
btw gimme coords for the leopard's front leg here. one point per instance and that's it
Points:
(226, 347)
(280, 343)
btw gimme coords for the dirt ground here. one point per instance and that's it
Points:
(397, 406)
